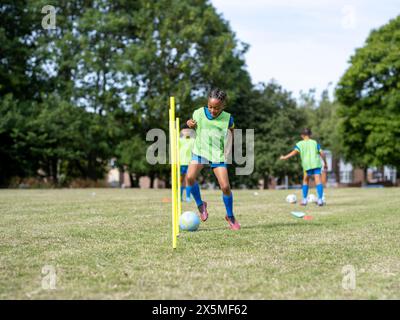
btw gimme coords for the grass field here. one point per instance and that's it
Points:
(116, 244)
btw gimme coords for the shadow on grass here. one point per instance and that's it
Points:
(264, 226)
(303, 224)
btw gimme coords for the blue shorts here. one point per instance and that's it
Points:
(184, 169)
(202, 160)
(311, 172)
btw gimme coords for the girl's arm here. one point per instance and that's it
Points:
(192, 124)
(229, 143)
(323, 156)
(289, 155)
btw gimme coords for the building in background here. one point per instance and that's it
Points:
(339, 174)
(353, 176)
(117, 178)
(344, 174)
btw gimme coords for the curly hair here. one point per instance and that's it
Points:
(217, 94)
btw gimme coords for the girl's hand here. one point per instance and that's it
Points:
(282, 158)
(192, 124)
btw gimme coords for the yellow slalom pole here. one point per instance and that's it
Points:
(178, 176)
(171, 129)
(173, 168)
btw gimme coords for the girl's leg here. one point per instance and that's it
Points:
(183, 180)
(193, 171)
(319, 186)
(187, 190)
(306, 180)
(222, 176)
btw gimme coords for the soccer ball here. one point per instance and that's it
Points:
(312, 198)
(189, 221)
(291, 198)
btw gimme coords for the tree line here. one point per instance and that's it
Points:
(73, 97)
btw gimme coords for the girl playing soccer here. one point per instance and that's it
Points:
(212, 124)
(311, 154)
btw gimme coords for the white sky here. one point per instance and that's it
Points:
(303, 44)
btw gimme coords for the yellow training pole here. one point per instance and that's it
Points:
(173, 168)
(178, 176)
(171, 152)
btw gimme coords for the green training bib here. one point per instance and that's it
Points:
(211, 135)
(310, 157)
(185, 150)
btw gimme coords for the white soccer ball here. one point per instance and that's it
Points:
(312, 198)
(291, 198)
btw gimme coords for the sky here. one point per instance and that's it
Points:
(303, 44)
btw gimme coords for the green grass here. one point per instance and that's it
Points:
(116, 244)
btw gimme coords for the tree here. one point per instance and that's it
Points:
(77, 95)
(369, 93)
(277, 125)
(131, 154)
(18, 83)
(181, 48)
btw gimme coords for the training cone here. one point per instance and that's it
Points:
(297, 214)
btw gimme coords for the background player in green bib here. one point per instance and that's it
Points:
(186, 142)
(311, 154)
(210, 148)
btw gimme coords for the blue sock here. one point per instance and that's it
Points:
(228, 201)
(195, 191)
(305, 191)
(182, 192)
(187, 193)
(320, 190)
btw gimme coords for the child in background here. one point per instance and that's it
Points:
(212, 124)
(310, 154)
(186, 142)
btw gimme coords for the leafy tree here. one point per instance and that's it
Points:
(18, 83)
(369, 93)
(132, 156)
(183, 48)
(277, 125)
(322, 118)
(73, 97)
